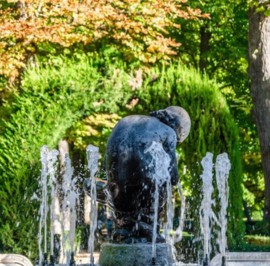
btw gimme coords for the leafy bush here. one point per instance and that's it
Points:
(257, 228)
(257, 240)
(254, 243)
(53, 99)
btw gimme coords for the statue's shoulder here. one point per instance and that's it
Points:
(148, 122)
(136, 118)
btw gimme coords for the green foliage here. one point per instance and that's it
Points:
(267, 13)
(255, 243)
(218, 47)
(64, 95)
(53, 99)
(213, 129)
(259, 228)
(94, 129)
(257, 240)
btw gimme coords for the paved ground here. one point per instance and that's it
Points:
(84, 258)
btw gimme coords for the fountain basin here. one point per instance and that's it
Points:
(135, 255)
(243, 259)
(14, 260)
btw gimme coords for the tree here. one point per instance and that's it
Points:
(136, 27)
(219, 47)
(259, 73)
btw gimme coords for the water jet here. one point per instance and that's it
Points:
(141, 170)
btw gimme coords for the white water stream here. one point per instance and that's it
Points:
(48, 184)
(43, 211)
(206, 212)
(179, 230)
(159, 166)
(52, 160)
(222, 168)
(92, 154)
(207, 216)
(69, 211)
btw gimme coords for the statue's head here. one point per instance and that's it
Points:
(177, 118)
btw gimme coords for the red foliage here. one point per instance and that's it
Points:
(136, 27)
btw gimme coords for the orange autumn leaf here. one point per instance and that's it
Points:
(138, 28)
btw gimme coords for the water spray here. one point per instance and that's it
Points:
(206, 212)
(160, 163)
(43, 206)
(92, 154)
(223, 167)
(51, 161)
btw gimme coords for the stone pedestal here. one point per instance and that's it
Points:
(134, 255)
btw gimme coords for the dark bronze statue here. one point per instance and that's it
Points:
(129, 189)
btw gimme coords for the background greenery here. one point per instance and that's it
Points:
(79, 92)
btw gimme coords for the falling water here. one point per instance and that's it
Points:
(222, 168)
(156, 198)
(160, 164)
(92, 154)
(48, 160)
(67, 188)
(205, 209)
(51, 160)
(170, 213)
(179, 230)
(69, 206)
(73, 196)
(44, 202)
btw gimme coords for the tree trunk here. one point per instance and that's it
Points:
(204, 46)
(259, 73)
(246, 211)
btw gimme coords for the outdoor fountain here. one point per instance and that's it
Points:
(69, 215)
(141, 169)
(207, 216)
(206, 210)
(48, 160)
(92, 158)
